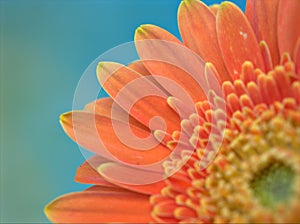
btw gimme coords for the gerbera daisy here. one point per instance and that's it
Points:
(237, 154)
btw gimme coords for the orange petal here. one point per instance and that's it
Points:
(100, 189)
(104, 107)
(99, 207)
(214, 8)
(101, 106)
(137, 95)
(197, 25)
(113, 77)
(102, 135)
(297, 56)
(150, 189)
(165, 56)
(149, 31)
(114, 173)
(268, 89)
(87, 174)
(126, 175)
(266, 54)
(236, 39)
(165, 208)
(139, 67)
(262, 16)
(184, 212)
(288, 25)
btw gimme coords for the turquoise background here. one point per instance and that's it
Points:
(45, 48)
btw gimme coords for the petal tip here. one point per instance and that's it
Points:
(47, 210)
(105, 69)
(187, 2)
(225, 4)
(142, 28)
(100, 66)
(65, 117)
(159, 135)
(170, 99)
(139, 32)
(147, 31)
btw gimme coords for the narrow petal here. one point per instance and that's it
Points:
(138, 96)
(104, 107)
(150, 189)
(197, 25)
(165, 209)
(262, 16)
(268, 89)
(103, 136)
(99, 207)
(266, 54)
(152, 176)
(164, 55)
(212, 77)
(86, 173)
(237, 39)
(184, 212)
(109, 189)
(114, 173)
(288, 25)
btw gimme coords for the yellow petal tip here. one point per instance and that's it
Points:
(141, 30)
(47, 210)
(225, 4)
(187, 2)
(64, 118)
(100, 65)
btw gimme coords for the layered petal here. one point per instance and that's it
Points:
(104, 107)
(135, 93)
(139, 67)
(97, 188)
(121, 175)
(236, 39)
(99, 207)
(214, 8)
(288, 25)
(262, 16)
(103, 136)
(197, 25)
(87, 174)
(165, 56)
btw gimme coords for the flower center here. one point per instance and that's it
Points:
(273, 184)
(255, 176)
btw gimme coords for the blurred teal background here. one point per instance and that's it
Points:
(45, 48)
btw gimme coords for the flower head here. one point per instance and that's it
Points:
(232, 152)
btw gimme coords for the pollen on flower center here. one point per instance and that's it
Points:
(273, 184)
(256, 173)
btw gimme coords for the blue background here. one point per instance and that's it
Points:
(45, 48)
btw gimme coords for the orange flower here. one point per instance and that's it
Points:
(255, 176)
